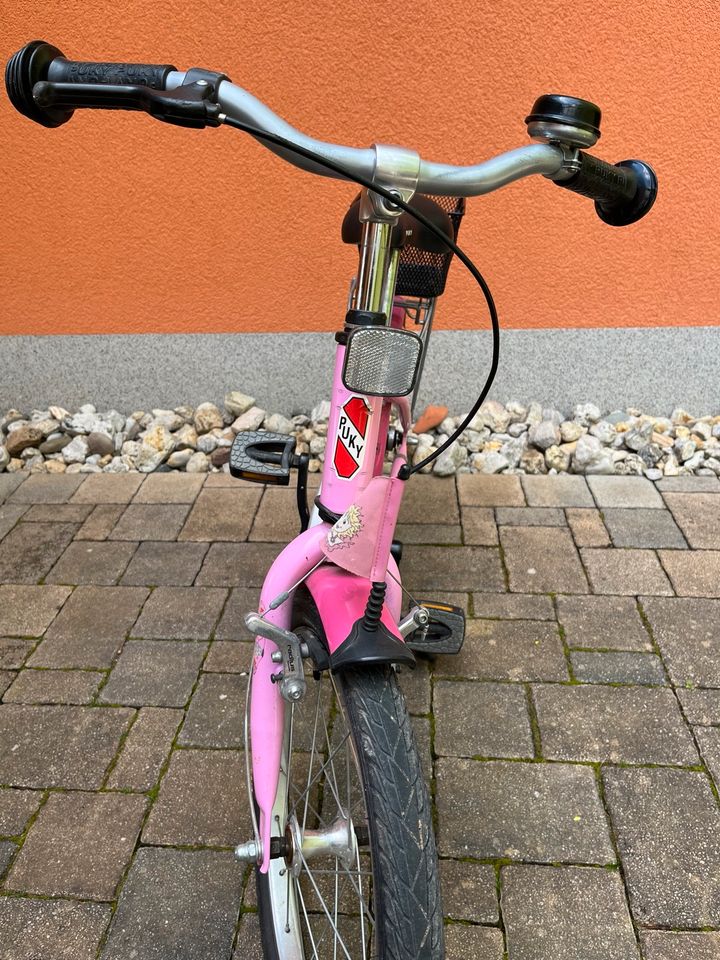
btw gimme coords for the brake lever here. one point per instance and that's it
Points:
(190, 105)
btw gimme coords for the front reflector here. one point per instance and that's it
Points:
(381, 361)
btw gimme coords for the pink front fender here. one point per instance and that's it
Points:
(341, 598)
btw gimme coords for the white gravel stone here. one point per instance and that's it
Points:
(544, 434)
(168, 418)
(76, 451)
(586, 413)
(448, 461)
(591, 457)
(207, 443)
(198, 463)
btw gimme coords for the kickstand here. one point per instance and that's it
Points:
(301, 465)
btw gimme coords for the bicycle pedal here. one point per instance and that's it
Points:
(262, 457)
(445, 632)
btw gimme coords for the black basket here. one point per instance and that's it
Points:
(421, 273)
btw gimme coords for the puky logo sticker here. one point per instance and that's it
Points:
(351, 437)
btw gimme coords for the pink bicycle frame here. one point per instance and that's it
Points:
(357, 435)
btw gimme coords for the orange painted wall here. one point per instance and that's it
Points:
(115, 223)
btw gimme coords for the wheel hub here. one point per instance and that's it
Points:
(338, 840)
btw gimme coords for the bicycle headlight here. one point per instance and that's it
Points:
(381, 361)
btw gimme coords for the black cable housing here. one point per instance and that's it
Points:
(407, 470)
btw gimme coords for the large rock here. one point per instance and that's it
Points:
(55, 442)
(447, 463)
(591, 457)
(238, 403)
(277, 423)
(207, 417)
(533, 461)
(492, 414)
(544, 434)
(46, 425)
(198, 463)
(320, 413)
(76, 451)
(490, 462)
(571, 430)
(4, 458)
(168, 418)
(186, 437)
(251, 419)
(586, 413)
(12, 416)
(431, 417)
(157, 444)
(25, 436)
(86, 421)
(207, 443)
(100, 443)
(557, 459)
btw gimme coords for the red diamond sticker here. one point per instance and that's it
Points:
(350, 444)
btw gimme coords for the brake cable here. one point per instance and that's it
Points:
(406, 470)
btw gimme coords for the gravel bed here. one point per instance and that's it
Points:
(502, 438)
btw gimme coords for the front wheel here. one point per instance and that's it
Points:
(357, 877)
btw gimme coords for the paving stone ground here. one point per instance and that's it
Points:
(573, 745)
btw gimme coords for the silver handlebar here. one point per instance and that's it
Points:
(442, 179)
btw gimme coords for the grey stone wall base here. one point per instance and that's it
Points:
(652, 368)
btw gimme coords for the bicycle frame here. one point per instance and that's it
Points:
(355, 453)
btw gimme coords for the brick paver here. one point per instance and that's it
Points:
(561, 491)
(151, 521)
(698, 515)
(482, 719)
(579, 726)
(91, 628)
(626, 572)
(79, 846)
(469, 891)
(564, 913)
(156, 672)
(536, 811)
(541, 560)
(200, 800)
(176, 903)
(58, 746)
(96, 562)
(165, 564)
(57, 929)
(180, 613)
(145, 749)
(668, 827)
(29, 551)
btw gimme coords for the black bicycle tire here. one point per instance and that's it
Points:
(408, 909)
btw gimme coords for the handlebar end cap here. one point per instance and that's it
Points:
(26, 68)
(627, 212)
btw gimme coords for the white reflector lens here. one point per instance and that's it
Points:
(381, 361)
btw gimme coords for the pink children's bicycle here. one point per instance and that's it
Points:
(343, 837)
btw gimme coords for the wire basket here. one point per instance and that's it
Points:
(422, 273)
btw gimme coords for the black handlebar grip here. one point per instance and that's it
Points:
(623, 192)
(151, 75)
(39, 61)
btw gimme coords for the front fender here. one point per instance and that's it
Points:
(341, 597)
